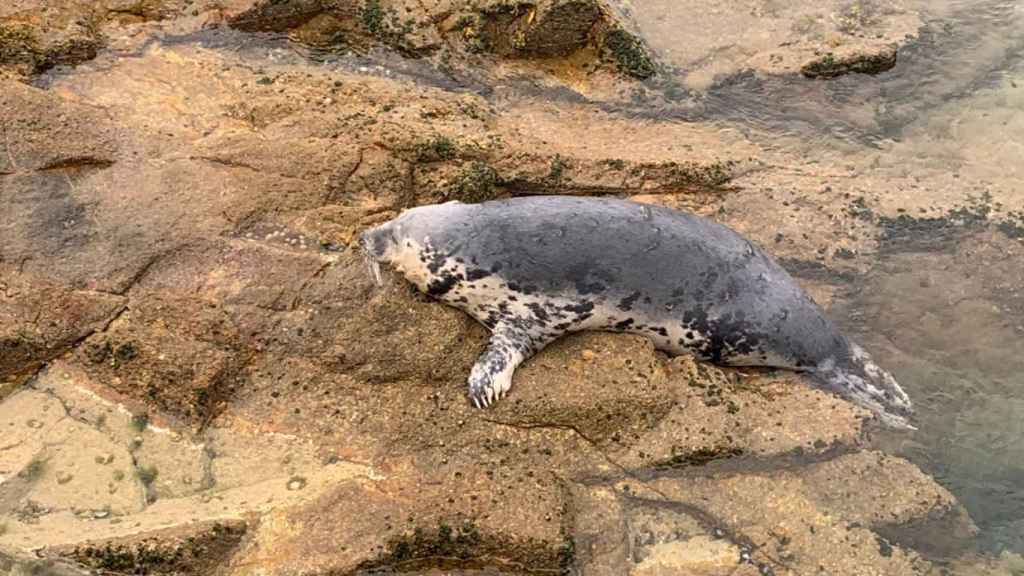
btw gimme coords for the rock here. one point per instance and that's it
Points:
(617, 397)
(828, 66)
(547, 28)
(438, 515)
(752, 36)
(202, 378)
(815, 519)
(37, 325)
(354, 24)
(37, 39)
(700, 555)
(628, 53)
(196, 549)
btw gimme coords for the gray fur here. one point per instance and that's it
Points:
(533, 269)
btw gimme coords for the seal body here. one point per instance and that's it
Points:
(532, 269)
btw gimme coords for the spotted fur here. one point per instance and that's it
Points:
(534, 269)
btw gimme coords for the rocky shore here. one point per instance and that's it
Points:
(198, 377)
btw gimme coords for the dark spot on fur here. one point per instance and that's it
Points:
(725, 336)
(624, 324)
(580, 308)
(491, 321)
(442, 285)
(627, 303)
(661, 330)
(539, 312)
(476, 274)
(588, 278)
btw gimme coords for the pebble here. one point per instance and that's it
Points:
(589, 355)
(105, 458)
(64, 478)
(101, 514)
(297, 483)
(34, 424)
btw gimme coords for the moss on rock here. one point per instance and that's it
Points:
(831, 66)
(628, 53)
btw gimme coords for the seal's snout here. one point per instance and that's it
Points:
(863, 382)
(374, 245)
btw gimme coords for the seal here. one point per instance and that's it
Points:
(533, 269)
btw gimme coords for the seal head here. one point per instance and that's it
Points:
(853, 375)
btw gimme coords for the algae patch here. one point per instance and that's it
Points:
(699, 457)
(629, 54)
(476, 182)
(832, 66)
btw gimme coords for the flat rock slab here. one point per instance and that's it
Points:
(707, 41)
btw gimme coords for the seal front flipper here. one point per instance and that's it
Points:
(491, 376)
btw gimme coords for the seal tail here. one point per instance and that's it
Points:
(858, 379)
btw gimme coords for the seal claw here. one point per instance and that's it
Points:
(491, 376)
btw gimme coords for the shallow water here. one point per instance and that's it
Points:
(964, 46)
(943, 303)
(949, 323)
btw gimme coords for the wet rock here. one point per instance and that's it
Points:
(747, 36)
(628, 53)
(38, 324)
(196, 549)
(42, 36)
(618, 396)
(347, 23)
(829, 66)
(47, 132)
(29, 566)
(546, 28)
(819, 513)
(407, 522)
(585, 29)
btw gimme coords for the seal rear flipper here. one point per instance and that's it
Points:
(491, 376)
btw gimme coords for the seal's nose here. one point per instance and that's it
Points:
(374, 242)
